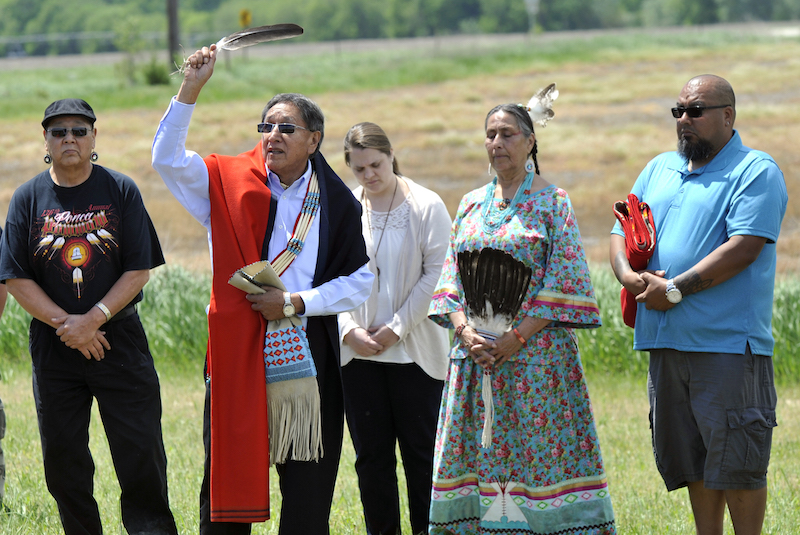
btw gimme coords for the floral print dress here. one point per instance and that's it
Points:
(543, 472)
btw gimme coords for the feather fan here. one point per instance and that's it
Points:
(495, 283)
(261, 34)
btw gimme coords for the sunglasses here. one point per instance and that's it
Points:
(78, 131)
(694, 111)
(283, 128)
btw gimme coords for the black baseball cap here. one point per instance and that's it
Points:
(68, 106)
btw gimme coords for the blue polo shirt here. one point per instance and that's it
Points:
(740, 192)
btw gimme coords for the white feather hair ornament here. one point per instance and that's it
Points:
(540, 106)
(254, 36)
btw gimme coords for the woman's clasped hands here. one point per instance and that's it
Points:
(371, 342)
(486, 352)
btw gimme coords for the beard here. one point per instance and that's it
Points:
(699, 150)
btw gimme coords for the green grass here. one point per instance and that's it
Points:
(609, 349)
(33, 511)
(641, 503)
(174, 316)
(786, 328)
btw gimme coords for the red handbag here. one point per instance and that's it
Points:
(636, 220)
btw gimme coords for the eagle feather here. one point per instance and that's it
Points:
(261, 34)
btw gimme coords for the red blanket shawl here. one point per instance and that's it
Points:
(239, 433)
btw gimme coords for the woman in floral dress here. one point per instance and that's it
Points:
(542, 471)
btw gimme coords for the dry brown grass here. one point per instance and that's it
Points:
(612, 117)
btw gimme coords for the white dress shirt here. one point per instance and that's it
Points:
(185, 174)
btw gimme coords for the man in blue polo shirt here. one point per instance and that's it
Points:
(706, 309)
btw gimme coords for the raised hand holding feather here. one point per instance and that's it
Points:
(253, 36)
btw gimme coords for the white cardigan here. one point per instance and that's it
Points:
(423, 252)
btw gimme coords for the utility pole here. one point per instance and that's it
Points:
(172, 32)
(532, 7)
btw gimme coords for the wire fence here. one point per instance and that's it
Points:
(83, 42)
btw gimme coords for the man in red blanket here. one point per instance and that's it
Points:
(250, 204)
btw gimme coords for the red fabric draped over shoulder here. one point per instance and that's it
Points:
(240, 200)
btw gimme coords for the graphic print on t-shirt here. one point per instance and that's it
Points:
(76, 243)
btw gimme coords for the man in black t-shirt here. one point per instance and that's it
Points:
(77, 250)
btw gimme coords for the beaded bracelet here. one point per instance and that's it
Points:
(460, 329)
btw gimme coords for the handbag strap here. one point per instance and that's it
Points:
(301, 227)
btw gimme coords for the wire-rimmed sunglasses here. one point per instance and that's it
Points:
(694, 111)
(77, 131)
(283, 128)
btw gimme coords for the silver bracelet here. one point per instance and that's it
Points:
(105, 310)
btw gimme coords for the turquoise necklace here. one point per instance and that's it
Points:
(494, 218)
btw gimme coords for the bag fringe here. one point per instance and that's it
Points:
(488, 404)
(294, 420)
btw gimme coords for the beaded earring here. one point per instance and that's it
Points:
(529, 166)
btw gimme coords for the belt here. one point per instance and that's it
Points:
(124, 313)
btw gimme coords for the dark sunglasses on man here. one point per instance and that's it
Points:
(78, 131)
(283, 128)
(694, 111)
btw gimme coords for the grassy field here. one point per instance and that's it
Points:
(641, 503)
(612, 117)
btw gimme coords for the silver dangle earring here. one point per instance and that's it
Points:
(48, 159)
(95, 156)
(529, 167)
(489, 170)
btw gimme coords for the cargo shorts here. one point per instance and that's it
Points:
(711, 418)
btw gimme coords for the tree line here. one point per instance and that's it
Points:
(39, 27)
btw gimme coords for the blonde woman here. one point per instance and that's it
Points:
(394, 358)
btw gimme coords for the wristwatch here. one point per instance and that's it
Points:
(674, 295)
(288, 307)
